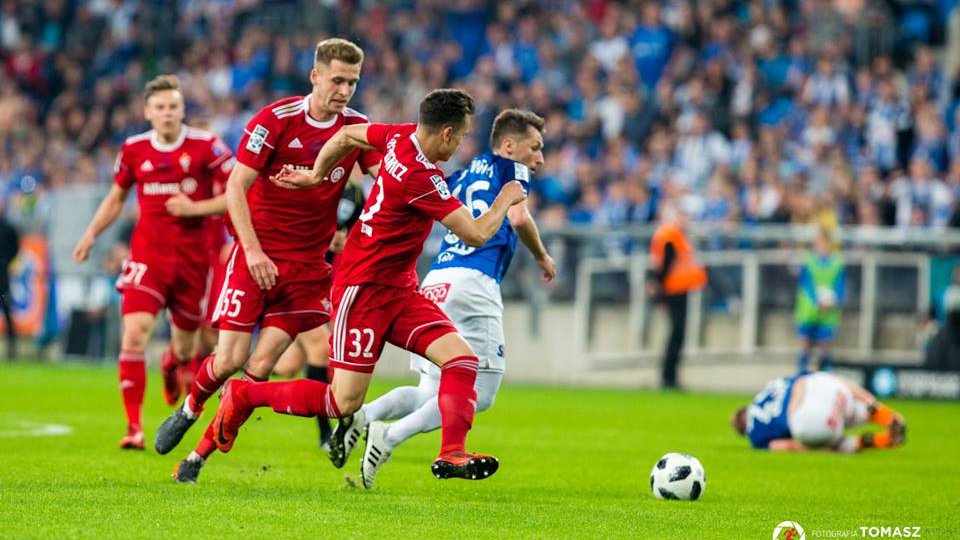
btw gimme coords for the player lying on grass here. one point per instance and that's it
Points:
(811, 412)
(465, 283)
(375, 293)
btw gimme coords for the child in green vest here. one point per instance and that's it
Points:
(820, 291)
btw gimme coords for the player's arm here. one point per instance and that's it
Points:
(522, 221)
(475, 232)
(263, 270)
(787, 445)
(180, 205)
(344, 141)
(109, 210)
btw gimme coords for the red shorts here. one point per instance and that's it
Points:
(369, 315)
(150, 286)
(217, 272)
(298, 302)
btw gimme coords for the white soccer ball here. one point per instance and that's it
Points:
(679, 477)
(826, 297)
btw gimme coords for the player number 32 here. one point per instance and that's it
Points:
(358, 335)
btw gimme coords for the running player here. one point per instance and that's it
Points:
(277, 277)
(375, 295)
(811, 411)
(165, 270)
(465, 283)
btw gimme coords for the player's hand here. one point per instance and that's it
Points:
(549, 268)
(291, 178)
(515, 192)
(82, 250)
(180, 205)
(263, 270)
(339, 241)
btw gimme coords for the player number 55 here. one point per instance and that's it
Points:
(230, 302)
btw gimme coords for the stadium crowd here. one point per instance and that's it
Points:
(754, 111)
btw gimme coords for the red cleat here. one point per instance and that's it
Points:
(464, 465)
(169, 368)
(133, 440)
(233, 412)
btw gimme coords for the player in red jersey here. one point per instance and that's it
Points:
(277, 277)
(375, 294)
(165, 268)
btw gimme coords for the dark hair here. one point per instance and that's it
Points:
(161, 83)
(446, 107)
(514, 122)
(338, 49)
(739, 421)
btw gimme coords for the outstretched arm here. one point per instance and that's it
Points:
(109, 210)
(476, 231)
(522, 221)
(347, 139)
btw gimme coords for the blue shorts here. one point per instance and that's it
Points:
(817, 333)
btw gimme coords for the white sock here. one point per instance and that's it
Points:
(195, 457)
(396, 403)
(858, 414)
(187, 408)
(426, 418)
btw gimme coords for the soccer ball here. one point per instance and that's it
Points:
(826, 297)
(679, 477)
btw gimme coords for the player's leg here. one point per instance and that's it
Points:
(291, 362)
(819, 417)
(183, 345)
(136, 330)
(316, 346)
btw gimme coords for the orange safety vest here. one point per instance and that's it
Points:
(685, 274)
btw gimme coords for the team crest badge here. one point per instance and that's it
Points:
(185, 162)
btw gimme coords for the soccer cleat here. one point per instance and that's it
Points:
(464, 465)
(375, 454)
(345, 437)
(133, 440)
(187, 471)
(233, 412)
(898, 432)
(172, 430)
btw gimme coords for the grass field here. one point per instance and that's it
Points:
(575, 464)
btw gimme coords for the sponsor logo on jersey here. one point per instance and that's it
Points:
(436, 293)
(146, 166)
(295, 143)
(161, 188)
(337, 174)
(441, 186)
(188, 186)
(185, 162)
(392, 165)
(257, 138)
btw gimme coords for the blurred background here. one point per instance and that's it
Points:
(765, 117)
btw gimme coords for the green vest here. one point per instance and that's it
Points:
(823, 275)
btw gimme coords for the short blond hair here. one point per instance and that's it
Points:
(340, 49)
(162, 83)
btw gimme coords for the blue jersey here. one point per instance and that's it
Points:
(476, 187)
(767, 414)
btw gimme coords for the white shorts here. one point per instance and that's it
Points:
(472, 301)
(820, 417)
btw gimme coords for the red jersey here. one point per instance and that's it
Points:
(409, 195)
(296, 225)
(194, 164)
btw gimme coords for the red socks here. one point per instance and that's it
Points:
(133, 381)
(205, 384)
(301, 397)
(458, 402)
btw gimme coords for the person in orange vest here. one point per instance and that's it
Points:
(676, 273)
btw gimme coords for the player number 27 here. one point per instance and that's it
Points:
(133, 272)
(358, 347)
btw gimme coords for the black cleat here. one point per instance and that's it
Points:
(187, 471)
(172, 430)
(464, 465)
(345, 437)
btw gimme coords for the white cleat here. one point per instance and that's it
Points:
(375, 454)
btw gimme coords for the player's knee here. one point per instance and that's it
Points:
(485, 401)
(348, 402)
(227, 364)
(183, 351)
(135, 335)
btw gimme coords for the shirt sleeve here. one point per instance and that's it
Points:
(369, 158)
(377, 135)
(122, 171)
(259, 140)
(220, 163)
(428, 192)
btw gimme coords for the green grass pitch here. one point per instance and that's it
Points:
(574, 464)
